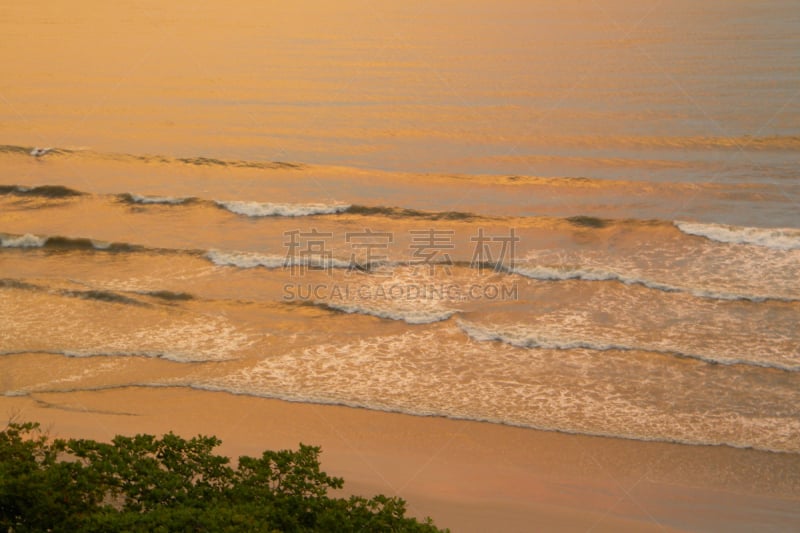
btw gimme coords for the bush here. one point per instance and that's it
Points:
(144, 483)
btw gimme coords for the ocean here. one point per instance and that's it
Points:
(568, 216)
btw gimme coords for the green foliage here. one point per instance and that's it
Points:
(144, 483)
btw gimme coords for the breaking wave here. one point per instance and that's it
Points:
(254, 260)
(549, 273)
(258, 209)
(131, 198)
(409, 315)
(776, 238)
(63, 243)
(521, 336)
(42, 191)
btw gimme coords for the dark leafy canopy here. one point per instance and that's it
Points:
(144, 483)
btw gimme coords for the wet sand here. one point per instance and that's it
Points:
(467, 476)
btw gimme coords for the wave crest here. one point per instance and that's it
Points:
(775, 238)
(131, 198)
(270, 261)
(521, 336)
(63, 243)
(410, 315)
(562, 273)
(257, 209)
(42, 191)
(22, 241)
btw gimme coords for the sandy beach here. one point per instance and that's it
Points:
(467, 476)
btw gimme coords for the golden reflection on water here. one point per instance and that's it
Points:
(465, 86)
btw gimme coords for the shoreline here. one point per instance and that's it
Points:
(322, 403)
(466, 475)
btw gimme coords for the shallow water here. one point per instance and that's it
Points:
(553, 215)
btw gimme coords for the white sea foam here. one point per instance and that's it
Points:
(88, 353)
(756, 428)
(564, 273)
(434, 372)
(776, 238)
(415, 313)
(245, 259)
(523, 336)
(254, 259)
(23, 241)
(33, 241)
(38, 152)
(257, 209)
(139, 199)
